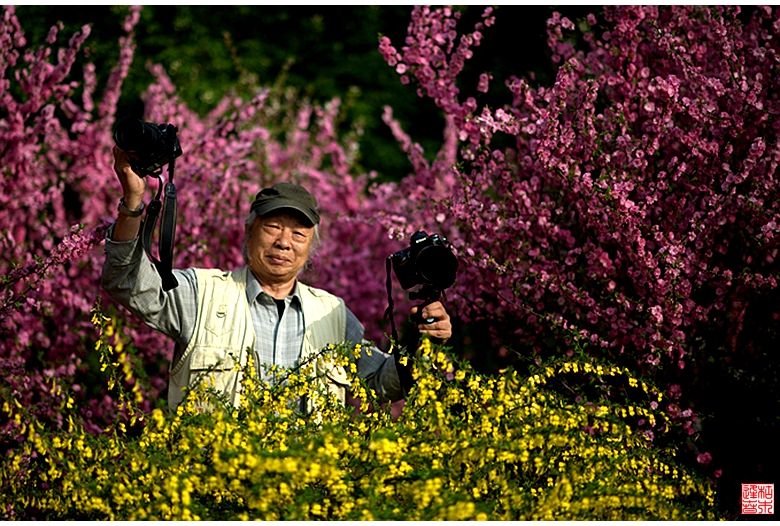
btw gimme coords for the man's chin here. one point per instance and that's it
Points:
(273, 274)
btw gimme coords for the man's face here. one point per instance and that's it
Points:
(278, 246)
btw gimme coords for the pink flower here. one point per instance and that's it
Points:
(484, 78)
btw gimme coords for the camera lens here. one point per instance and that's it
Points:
(438, 266)
(134, 135)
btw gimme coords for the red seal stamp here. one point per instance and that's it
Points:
(758, 499)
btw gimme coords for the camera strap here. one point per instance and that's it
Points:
(390, 302)
(403, 370)
(164, 265)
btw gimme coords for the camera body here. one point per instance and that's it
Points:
(428, 261)
(155, 145)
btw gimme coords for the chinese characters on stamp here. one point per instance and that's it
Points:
(758, 499)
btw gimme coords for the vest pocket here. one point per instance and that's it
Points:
(212, 358)
(220, 320)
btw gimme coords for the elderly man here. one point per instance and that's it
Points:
(216, 318)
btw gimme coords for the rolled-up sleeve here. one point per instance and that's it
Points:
(132, 280)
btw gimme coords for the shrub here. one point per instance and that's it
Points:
(467, 446)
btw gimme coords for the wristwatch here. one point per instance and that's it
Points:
(127, 212)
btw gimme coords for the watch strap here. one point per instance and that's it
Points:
(125, 211)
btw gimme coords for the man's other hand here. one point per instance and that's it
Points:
(441, 328)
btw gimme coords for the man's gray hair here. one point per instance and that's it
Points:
(316, 242)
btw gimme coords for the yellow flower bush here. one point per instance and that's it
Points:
(466, 446)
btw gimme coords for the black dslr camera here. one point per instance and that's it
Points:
(155, 144)
(428, 261)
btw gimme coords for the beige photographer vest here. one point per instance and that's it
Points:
(224, 336)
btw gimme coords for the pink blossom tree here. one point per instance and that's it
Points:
(637, 200)
(53, 207)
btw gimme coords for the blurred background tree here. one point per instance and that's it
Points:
(323, 51)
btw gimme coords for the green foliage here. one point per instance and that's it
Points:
(466, 446)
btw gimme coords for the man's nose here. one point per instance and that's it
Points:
(284, 240)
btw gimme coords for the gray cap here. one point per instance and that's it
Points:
(286, 195)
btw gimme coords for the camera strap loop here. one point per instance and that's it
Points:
(167, 235)
(164, 265)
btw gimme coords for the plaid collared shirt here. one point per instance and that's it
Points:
(131, 279)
